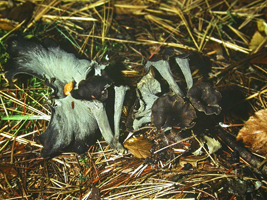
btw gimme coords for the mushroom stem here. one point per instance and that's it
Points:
(120, 92)
(163, 68)
(147, 87)
(137, 123)
(98, 110)
(184, 66)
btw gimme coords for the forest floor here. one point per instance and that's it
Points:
(226, 44)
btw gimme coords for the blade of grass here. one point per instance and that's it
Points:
(13, 135)
(26, 117)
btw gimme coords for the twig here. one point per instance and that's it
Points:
(244, 153)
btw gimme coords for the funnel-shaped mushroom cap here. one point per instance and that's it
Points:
(205, 98)
(171, 110)
(93, 88)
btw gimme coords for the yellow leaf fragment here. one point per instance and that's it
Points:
(68, 87)
(262, 26)
(256, 40)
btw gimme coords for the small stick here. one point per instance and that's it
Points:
(244, 153)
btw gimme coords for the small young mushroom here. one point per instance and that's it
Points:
(205, 98)
(172, 111)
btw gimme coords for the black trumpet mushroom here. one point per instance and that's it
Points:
(205, 98)
(78, 111)
(172, 111)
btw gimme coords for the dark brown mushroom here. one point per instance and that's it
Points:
(205, 98)
(172, 111)
(93, 88)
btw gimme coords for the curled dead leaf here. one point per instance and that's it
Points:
(20, 12)
(8, 170)
(7, 25)
(254, 132)
(138, 146)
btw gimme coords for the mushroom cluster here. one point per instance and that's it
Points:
(78, 106)
(173, 109)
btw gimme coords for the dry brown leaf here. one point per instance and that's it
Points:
(254, 132)
(20, 13)
(138, 146)
(8, 170)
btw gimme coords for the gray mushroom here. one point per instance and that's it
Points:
(120, 92)
(184, 66)
(99, 112)
(78, 115)
(147, 88)
(163, 68)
